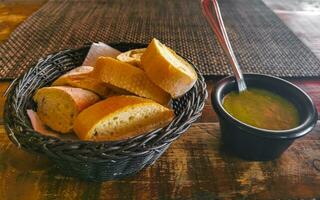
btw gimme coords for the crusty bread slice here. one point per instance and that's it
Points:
(167, 69)
(132, 57)
(121, 117)
(58, 106)
(132, 79)
(80, 77)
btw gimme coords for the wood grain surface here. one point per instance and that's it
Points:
(13, 12)
(196, 166)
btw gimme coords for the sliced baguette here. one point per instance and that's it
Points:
(80, 77)
(127, 77)
(58, 106)
(132, 57)
(167, 69)
(121, 117)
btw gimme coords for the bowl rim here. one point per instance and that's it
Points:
(296, 132)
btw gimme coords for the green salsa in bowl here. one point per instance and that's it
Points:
(262, 108)
(262, 122)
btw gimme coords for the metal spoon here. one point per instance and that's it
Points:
(221, 33)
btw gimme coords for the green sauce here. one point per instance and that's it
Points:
(262, 109)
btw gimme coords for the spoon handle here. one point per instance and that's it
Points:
(219, 29)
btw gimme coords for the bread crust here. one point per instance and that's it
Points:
(132, 57)
(105, 110)
(80, 77)
(129, 78)
(72, 99)
(174, 78)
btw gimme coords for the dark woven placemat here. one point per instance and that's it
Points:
(261, 41)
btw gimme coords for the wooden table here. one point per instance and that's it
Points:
(195, 166)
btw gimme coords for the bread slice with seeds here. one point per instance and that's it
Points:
(121, 117)
(58, 106)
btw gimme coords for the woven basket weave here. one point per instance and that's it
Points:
(93, 161)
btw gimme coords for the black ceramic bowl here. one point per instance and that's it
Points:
(253, 143)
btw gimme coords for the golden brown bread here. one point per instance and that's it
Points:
(132, 57)
(80, 77)
(130, 78)
(163, 73)
(167, 69)
(58, 106)
(121, 117)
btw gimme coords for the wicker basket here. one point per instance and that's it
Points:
(94, 161)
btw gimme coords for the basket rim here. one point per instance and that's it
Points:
(130, 141)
